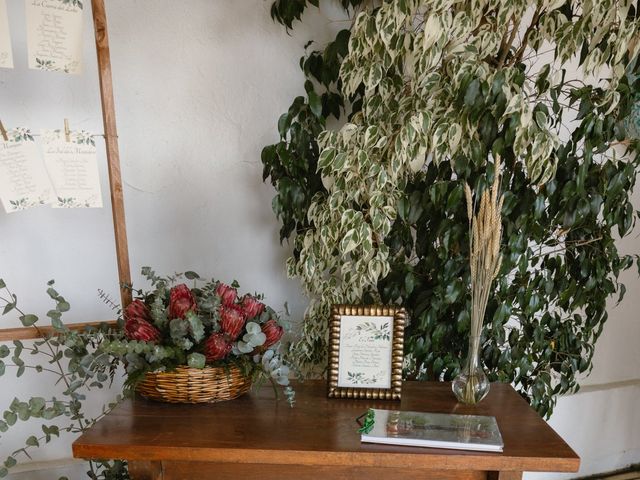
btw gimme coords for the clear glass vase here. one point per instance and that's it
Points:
(471, 385)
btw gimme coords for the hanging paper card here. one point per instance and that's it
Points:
(24, 182)
(54, 35)
(6, 57)
(73, 168)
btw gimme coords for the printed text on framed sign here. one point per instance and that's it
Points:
(365, 351)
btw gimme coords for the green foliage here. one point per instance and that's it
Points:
(287, 11)
(292, 163)
(109, 470)
(71, 358)
(434, 90)
(196, 360)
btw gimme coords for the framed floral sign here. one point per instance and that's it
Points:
(365, 351)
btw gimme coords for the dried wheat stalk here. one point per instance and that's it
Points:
(484, 245)
(485, 233)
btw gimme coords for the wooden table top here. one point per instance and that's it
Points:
(319, 431)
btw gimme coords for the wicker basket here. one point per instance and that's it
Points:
(194, 385)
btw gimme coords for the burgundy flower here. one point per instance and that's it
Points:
(141, 330)
(137, 323)
(272, 331)
(216, 347)
(226, 293)
(138, 310)
(252, 307)
(232, 320)
(181, 301)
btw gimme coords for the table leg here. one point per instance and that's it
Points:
(504, 476)
(141, 470)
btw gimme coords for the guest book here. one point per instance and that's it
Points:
(436, 430)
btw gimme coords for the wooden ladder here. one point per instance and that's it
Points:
(115, 179)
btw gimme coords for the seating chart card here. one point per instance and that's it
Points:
(24, 182)
(6, 56)
(73, 168)
(54, 35)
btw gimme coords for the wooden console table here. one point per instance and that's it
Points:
(258, 438)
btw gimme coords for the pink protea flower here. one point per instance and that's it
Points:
(216, 347)
(252, 307)
(137, 323)
(181, 301)
(226, 293)
(232, 320)
(137, 309)
(272, 331)
(141, 330)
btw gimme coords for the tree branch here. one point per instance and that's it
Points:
(506, 44)
(525, 39)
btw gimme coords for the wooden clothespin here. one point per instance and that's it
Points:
(3, 132)
(67, 131)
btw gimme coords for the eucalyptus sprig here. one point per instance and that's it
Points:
(63, 356)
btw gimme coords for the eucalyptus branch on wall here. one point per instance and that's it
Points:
(72, 359)
(376, 209)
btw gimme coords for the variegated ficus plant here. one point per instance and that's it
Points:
(428, 93)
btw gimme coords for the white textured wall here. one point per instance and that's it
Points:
(199, 85)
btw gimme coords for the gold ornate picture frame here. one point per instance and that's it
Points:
(366, 351)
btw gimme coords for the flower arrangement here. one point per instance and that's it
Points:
(203, 325)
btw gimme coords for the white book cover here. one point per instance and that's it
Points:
(435, 430)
